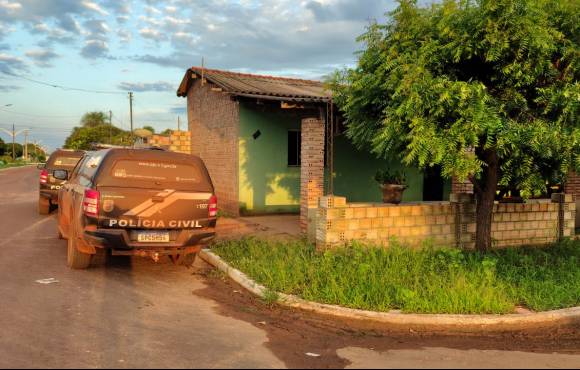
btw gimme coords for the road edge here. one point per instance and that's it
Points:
(16, 167)
(416, 322)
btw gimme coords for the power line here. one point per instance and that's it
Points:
(65, 88)
(35, 115)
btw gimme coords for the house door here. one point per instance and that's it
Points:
(433, 184)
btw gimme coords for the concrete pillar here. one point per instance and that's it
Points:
(312, 169)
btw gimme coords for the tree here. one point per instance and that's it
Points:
(149, 128)
(84, 137)
(2, 147)
(93, 119)
(486, 89)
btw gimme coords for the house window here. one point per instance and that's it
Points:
(294, 145)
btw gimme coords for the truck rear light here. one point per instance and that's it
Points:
(91, 203)
(44, 177)
(213, 207)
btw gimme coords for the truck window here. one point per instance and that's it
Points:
(66, 161)
(154, 171)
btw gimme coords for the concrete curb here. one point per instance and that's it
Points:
(418, 322)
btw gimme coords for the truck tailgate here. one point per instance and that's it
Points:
(136, 208)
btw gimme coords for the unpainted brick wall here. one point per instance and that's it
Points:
(573, 187)
(214, 123)
(442, 223)
(312, 169)
(176, 141)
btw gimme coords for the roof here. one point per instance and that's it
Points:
(258, 86)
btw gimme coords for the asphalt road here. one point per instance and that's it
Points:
(138, 314)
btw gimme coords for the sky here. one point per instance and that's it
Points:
(110, 47)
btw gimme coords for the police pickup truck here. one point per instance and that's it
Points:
(48, 190)
(136, 202)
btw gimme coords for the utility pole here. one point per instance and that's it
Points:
(110, 127)
(25, 145)
(13, 142)
(178, 124)
(131, 117)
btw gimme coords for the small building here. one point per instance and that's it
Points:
(264, 141)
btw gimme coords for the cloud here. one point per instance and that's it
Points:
(97, 29)
(42, 57)
(95, 49)
(328, 11)
(94, 7)
(152, 34)
(159, 86)
(12, 65)
(9, 88)
(178, 110)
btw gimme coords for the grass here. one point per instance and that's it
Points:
(419, 281)
(8, 164)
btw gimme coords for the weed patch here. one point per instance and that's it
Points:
(420, 281)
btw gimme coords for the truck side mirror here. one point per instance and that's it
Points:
(60, 174)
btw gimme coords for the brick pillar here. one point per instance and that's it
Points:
(312, 169)
(458, 187)
(573, 187)
(465, 220)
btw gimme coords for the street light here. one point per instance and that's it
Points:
(13, 133)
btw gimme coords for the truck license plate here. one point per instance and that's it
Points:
(153, 237)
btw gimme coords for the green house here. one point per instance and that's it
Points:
(265, 139)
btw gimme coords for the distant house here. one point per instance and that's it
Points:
(263, 140)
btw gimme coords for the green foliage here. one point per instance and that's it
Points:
(149, 128)
(390, 177)
(442, 85)
(2, 147)
(94, 119)
(422, 281)
(95, 130)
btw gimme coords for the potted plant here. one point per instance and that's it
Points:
(393, 184)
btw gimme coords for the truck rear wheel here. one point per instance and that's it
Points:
(76, 259)
(43, 206)
(101, 258)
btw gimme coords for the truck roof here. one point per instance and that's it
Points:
(186, 164)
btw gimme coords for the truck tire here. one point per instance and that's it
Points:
(76, 259)
(43, 206)
(101, 258)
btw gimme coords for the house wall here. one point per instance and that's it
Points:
(355, 171)
(214, 125)
(449, 224)
(267, 184)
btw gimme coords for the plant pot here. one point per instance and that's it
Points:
(512, 200)
(393, 193)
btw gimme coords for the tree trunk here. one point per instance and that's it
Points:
(485, 191)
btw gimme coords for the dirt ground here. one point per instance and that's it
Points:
(312, 333)
(135, 313)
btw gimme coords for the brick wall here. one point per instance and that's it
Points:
(442, 223)
(573, 187)
(176, 141)
(311, 170)
(214, 125)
